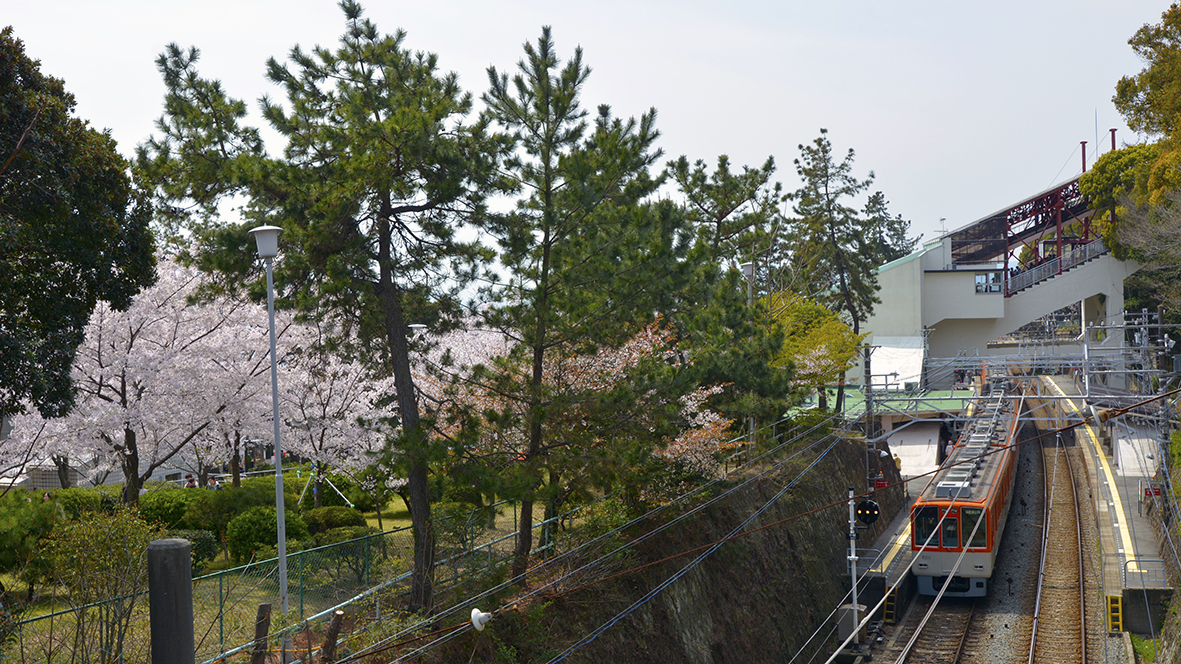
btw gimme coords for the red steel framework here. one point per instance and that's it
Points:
(1059, 213)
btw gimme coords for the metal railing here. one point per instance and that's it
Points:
(1050, 268)
(1149, 573)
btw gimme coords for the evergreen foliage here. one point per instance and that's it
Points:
(378, 176)
(73, 232)
(259, 526)
(593, 263)
(837, 247)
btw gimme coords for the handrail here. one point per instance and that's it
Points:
(1053, 267)
(1150, 570)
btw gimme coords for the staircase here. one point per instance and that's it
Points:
(1052, 268)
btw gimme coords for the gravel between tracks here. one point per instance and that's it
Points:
(1005, 620)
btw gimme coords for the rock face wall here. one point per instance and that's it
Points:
(758, 598)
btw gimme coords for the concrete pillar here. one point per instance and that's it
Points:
(170, 599)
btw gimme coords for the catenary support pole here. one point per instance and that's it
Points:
(853, 560)
(170, 601)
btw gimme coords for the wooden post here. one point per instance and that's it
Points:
(262, 626)
(307, 635)
(170, 601)
(328, 650)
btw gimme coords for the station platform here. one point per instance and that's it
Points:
(1121, 460)
(889, 563)
(1121, 464)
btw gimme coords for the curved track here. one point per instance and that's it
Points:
(1059, 613)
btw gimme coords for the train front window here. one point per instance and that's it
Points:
(971, 516)
(951, 533)
(925, 519)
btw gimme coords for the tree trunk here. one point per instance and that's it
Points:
(551, 513)
(235, 460)
(129, 461)
(62, 462)
(318, 491)
(414, 439)
(524, 543)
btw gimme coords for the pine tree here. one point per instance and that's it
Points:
(590, 266)
(379, 174)
(831, 236)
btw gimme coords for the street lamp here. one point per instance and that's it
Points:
(267, 239)
(748, 269)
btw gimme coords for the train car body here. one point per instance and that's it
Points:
(974, 483)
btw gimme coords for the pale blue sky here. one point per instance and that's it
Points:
(959, 108)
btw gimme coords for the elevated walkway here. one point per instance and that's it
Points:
(1054, 267)
(973, 320)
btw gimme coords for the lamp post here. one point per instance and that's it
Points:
(748, 269)
(267, 239)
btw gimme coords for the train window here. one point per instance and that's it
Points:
(951, 533)
(925, 519)
(971, 516)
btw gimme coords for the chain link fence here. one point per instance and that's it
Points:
(368, 576)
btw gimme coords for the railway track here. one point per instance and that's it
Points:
(940, 639)
(1058, 633)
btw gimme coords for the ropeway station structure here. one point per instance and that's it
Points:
(962, 292)
(1030, 291)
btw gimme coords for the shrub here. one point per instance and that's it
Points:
(82, 500)
(25, 523)
(327, 518)
(167, 507)
(205, 547)
(104, 557)
(457, 525)
(257, 526)
(342, 534)
(213, 510)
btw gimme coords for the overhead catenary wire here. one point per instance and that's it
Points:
(402, 636)
(687, 568)
(1113, 412)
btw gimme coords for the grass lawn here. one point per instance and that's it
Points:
(391, 518)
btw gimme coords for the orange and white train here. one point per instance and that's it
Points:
(974, 483)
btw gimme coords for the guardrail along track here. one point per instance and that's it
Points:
(1059, 613)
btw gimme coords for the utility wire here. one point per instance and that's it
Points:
(393, 640)
(687, 568)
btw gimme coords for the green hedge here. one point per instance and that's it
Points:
(205, 547)
(83, 500)
(258, 526)
(168, 506)
(327, 518)
(214, 510)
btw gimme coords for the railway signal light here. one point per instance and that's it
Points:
(867, 512)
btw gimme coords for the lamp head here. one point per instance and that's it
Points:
(267, 240)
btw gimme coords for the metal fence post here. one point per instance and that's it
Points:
(221, 612)
(301, 556)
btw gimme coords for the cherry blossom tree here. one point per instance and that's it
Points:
(330, 409)
(617, 414)
(164, 374)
